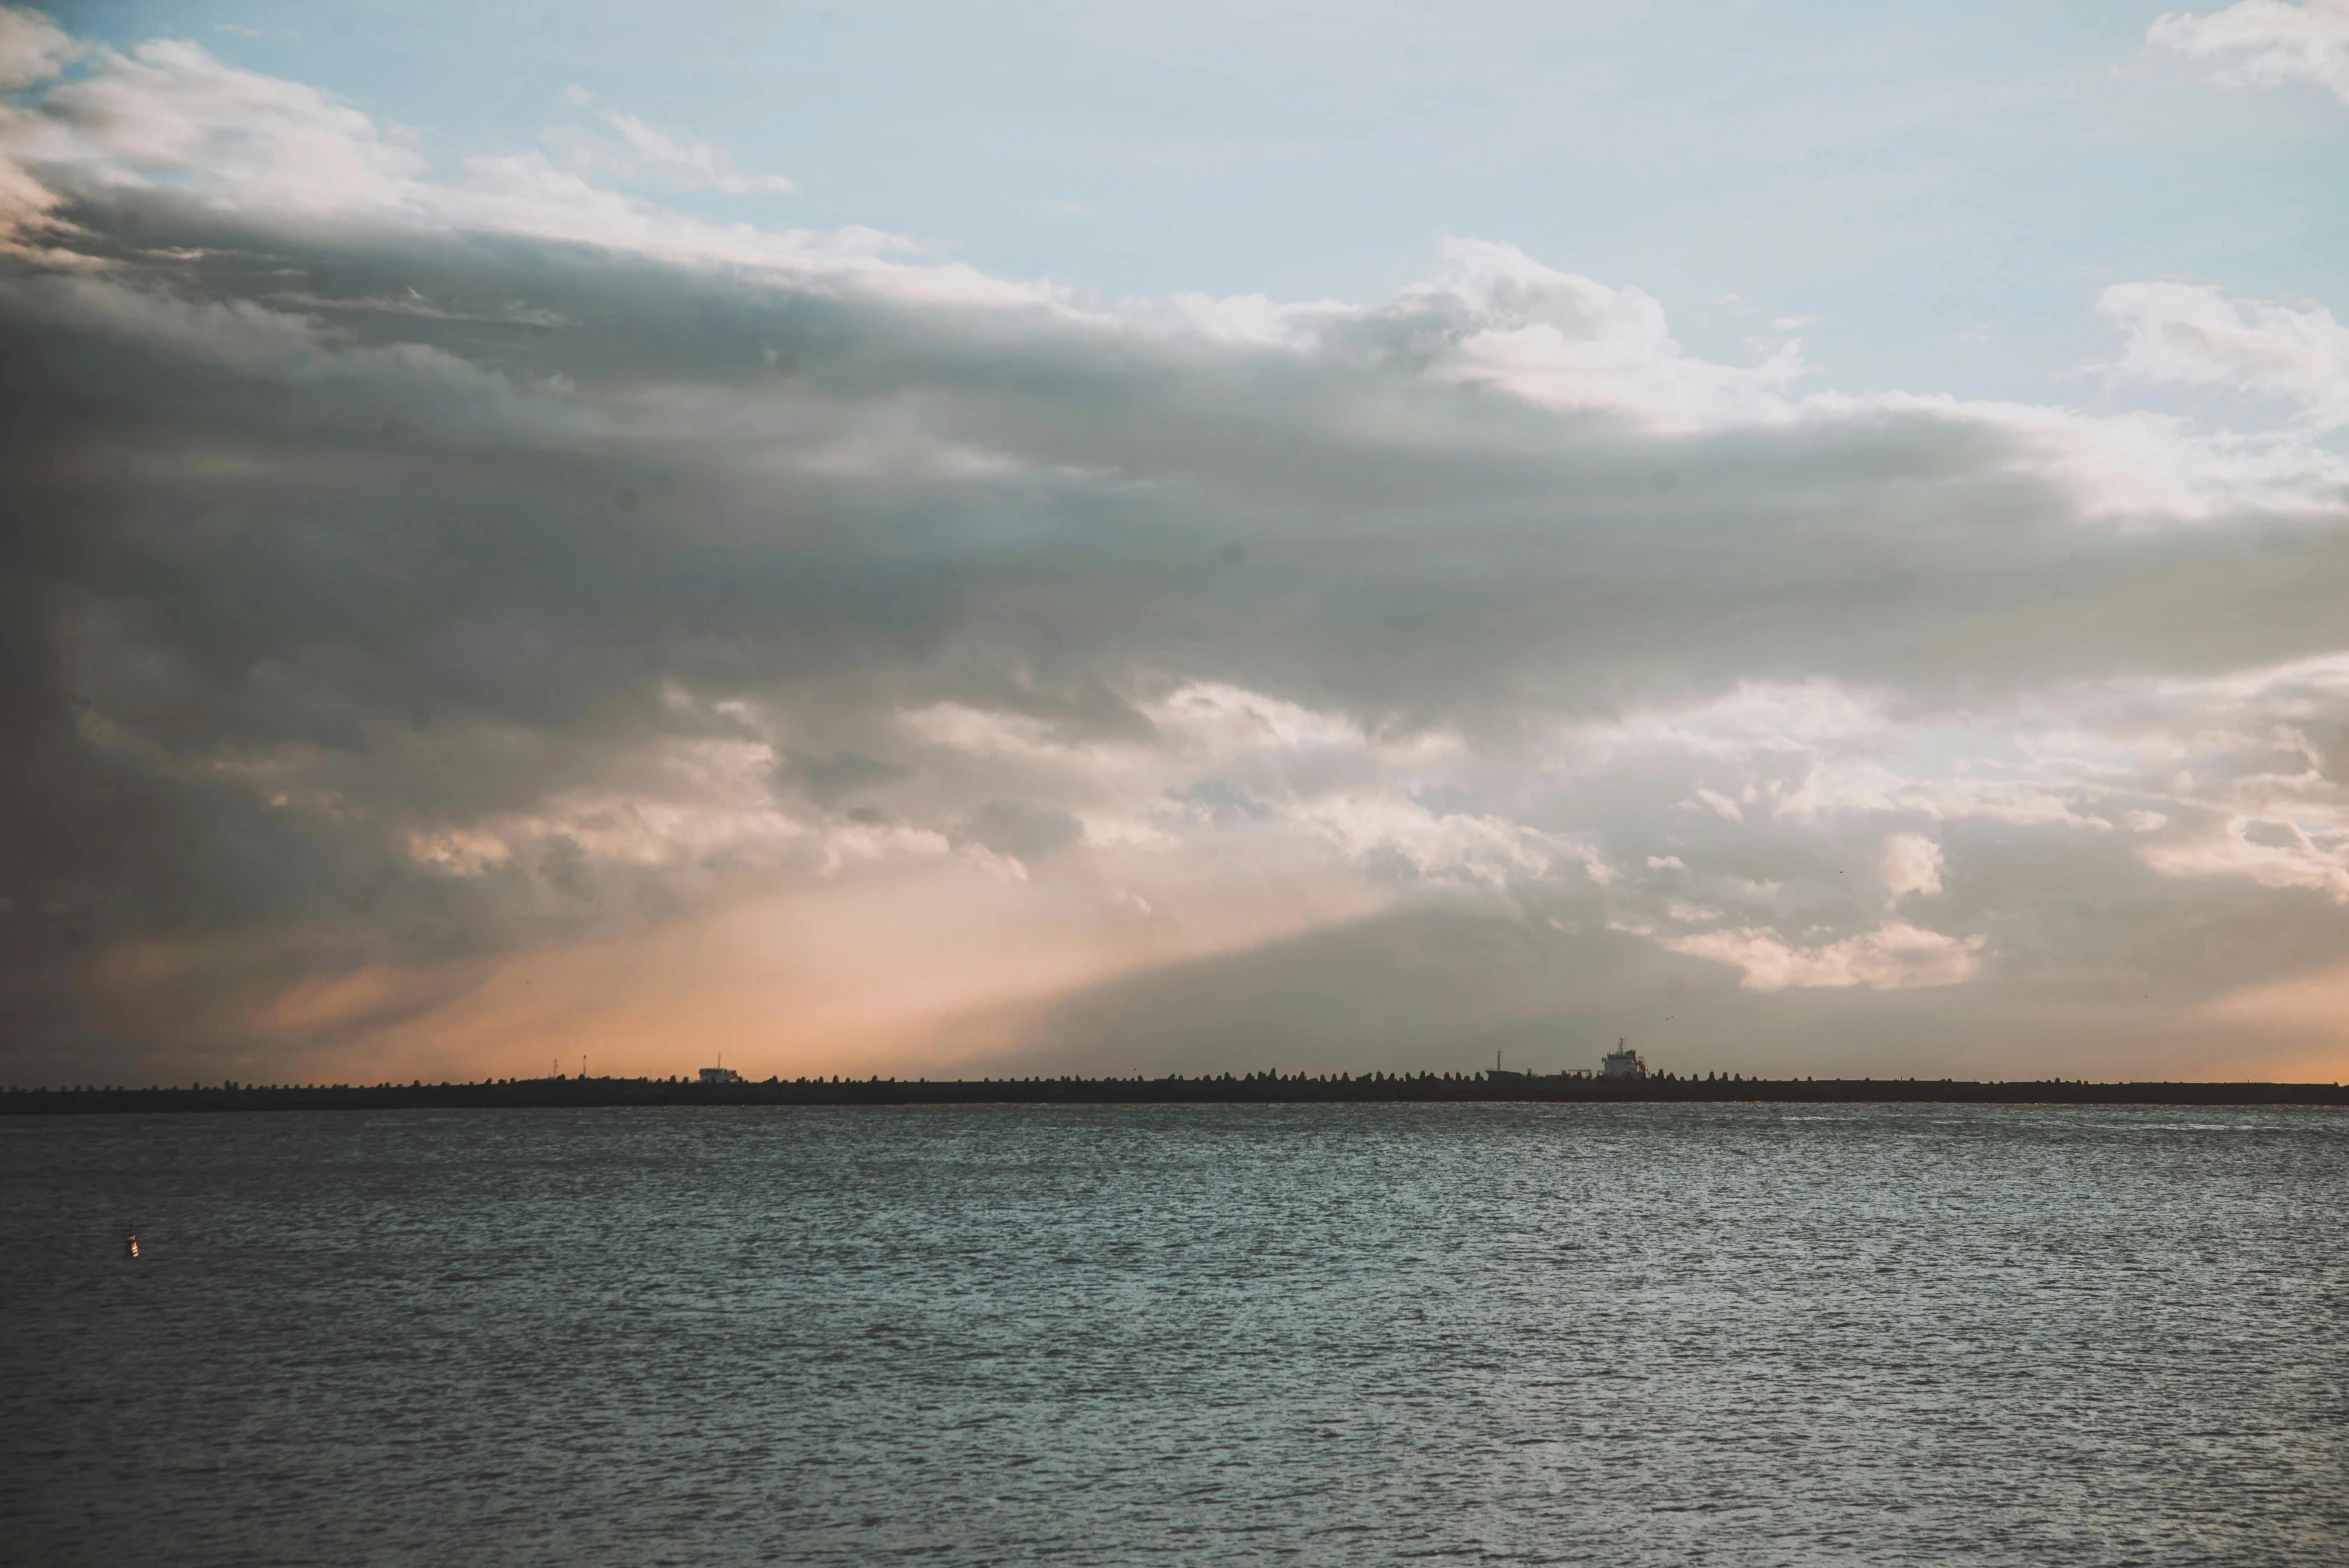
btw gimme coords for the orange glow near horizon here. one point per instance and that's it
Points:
(909, 973)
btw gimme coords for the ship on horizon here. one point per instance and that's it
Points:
(1622, 1062)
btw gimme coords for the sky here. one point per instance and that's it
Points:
(1045, 538)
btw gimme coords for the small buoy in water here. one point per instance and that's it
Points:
(130, 1244)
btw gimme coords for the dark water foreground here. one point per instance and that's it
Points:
(1618, 1334)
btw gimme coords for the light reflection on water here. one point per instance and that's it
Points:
(1344, 1333)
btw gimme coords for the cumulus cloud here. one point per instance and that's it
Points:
(32, 48)
(2264, 43)
(2179, 333)
(1569, 342)
(1894, 957)
(1912, 864)
(170, 107)
(449, 612)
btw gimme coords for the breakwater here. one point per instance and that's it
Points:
(1228, 1089)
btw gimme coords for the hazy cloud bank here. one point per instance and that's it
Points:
(460, 615)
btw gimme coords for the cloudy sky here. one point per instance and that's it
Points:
(912, 539)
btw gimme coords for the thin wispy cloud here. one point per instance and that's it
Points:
(633, 149)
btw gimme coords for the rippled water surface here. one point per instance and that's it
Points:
(1324, 1334)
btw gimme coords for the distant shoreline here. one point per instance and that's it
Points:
(1235, 1089)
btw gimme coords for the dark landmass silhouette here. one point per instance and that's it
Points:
(1259, 1088)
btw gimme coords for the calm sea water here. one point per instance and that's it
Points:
(1324, 1334)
